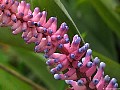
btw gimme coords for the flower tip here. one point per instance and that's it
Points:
(44, 13)
(107, 78)
(57, 76)
(95, 81)
(77, 40)
(102, 65)
(59, 67)
(21, 14)
(46, 50)
(86, 45)
(52, 71)
(37, 9)
(96, 60)
(113, 81)
(49, 43)
(80, 50)
(66, 28)
(46, 56)
(28, 5)
(89, 64)
(89, 52)
(116, 85)
(67, 40)
(53, 19)
(38, 24)
(36, 43)
(56, 60)
(48, 62)
(68, 81)
(80, 82)
(72, 56)
(63, 26)
(60, 45)
(79, 64)
(50, 31)
(59, 37)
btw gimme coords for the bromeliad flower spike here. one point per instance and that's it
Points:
(73, 64)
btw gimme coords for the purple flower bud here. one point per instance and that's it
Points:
(79, 64)
(44, 30)
(60, 46)
(66, 27)
(48, 62)
(57, 76)
(107, 78)
(21, 14)
(67, 40)
(80, 50)
(59, 37)
(72, 56)
(95, 81)
(59, 67)
(56, 60)
(116, 85)
(77, 40)
(113, 81)
(53, 19)
(46, 50)
(89, 64)
(63, 26)
(49, 44)
(50, 31)
(52, 71)
(38, 24)
(36, 43)
(86, 46)
(102, 65)
(46, 56)
(89, 52)
(14, 20)
(68, 81)
(80, 82)
(96, 61)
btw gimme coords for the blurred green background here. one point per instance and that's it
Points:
(96, 21)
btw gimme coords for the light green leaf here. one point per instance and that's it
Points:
(37, 64)
(9, 82)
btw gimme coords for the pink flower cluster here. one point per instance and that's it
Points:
(72, 62)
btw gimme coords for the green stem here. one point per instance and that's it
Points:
(19, 76)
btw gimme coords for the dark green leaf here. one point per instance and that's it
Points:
(106, 9)
(37, 64)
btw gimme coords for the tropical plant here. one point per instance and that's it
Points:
(98, 22)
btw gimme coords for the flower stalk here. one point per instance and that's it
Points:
(72, 63)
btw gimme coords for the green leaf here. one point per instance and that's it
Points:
(9, 82)
(14, 40)
(112, 68)
(88, 21)
(37, 64)
(106, 9)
